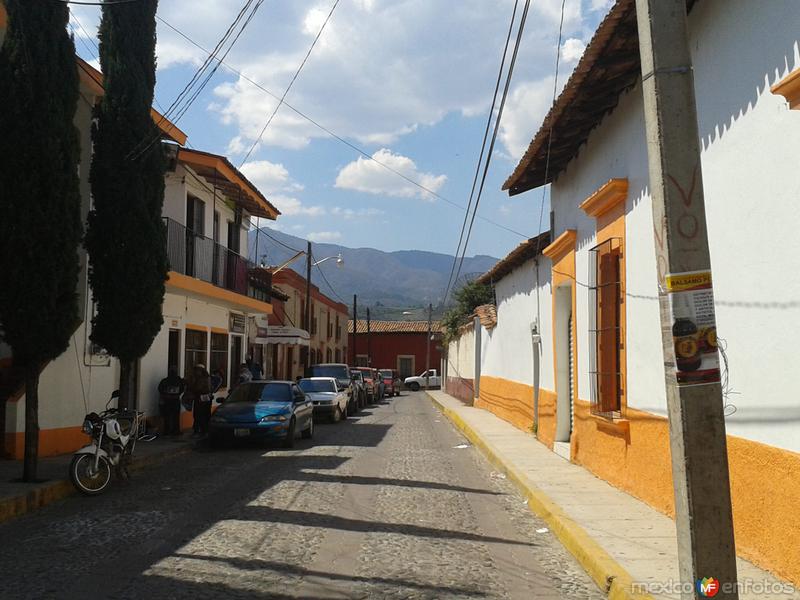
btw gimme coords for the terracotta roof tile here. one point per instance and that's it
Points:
(394, 326)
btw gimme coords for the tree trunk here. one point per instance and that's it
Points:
(127, 391)
(31, 423)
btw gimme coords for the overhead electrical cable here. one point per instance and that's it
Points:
(483, 144)
(336, 136)
(291, 83)
(550, 124)
(187, 96)
(488, 161)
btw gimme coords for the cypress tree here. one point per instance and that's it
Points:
(40, 203)
(126, 236)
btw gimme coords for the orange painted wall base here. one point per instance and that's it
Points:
(633, 454)
(52, 442)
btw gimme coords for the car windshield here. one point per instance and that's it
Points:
(260, 392)
(386, 374)
(316, 385)
(357, 375)
(336, 371)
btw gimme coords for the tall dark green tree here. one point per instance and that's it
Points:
(40, 203)
(126, 236)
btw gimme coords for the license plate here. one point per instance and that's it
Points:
(241, 432)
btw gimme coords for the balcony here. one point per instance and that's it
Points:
(201, 258)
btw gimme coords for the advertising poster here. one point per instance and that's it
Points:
(694, 331)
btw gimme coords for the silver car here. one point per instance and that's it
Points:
(328, 398)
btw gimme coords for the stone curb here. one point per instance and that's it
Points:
(609, 575)
(11, 508)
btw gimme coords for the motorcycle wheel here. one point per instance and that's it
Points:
(84, 477)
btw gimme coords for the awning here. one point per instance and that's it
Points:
(274, 334)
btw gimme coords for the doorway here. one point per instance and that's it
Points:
(565, 367)
(236, 358)
(174, 350)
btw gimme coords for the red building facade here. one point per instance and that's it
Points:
(400, 345)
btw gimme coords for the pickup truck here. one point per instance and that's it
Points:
(416, 383)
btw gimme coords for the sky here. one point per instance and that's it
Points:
(409, 82)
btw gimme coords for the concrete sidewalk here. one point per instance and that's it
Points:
(620, 541)
(17, 498)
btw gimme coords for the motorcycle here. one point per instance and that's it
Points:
(114, 433)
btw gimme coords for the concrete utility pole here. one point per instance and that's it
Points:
(355, 328)
(428, 349)
(307, 316)
(703, 513)
(369, 340)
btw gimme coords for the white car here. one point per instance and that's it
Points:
(416, 383)
(328, 398)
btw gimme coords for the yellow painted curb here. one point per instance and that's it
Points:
(11, 508)
(609, 575)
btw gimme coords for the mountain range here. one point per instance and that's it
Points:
(390, 283)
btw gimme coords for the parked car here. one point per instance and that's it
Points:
(370, 382)
(392, 381)
(264, 410)
(340, 372)
(360, 386)
(328, 399)
(417, 382)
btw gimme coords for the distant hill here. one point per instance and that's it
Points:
(388, 282)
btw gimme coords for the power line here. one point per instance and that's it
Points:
(550, 132)
(291, 83)
(335, 135)
(483, 145)
(509, 75)
(321, 272)
(180, 104)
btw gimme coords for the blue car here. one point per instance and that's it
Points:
(264, 410)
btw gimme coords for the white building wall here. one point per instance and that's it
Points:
(508, 348)
(751, 187)
(180, 184)
(461, 356)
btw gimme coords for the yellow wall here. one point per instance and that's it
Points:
(509, 400)
(633, 454)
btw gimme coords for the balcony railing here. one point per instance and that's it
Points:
(202, 258)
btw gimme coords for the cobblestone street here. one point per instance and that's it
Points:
(385, 505)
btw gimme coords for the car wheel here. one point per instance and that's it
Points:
(414, 386)
(290, 434)
(308, 433)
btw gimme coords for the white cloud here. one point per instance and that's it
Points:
(324, 236)
(572, 50)
(292, 207)
(600, 5)
(350, 214)
(267, 176)
(525, 110)
(364, 175)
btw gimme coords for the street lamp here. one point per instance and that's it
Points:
(309, 264)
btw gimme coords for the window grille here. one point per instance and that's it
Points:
(605, 333)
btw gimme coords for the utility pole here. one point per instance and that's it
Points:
(428, 348)
(698, 444)
(307, 316)
(369, 339)
(355, 328)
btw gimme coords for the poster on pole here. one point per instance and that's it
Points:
(694, 329)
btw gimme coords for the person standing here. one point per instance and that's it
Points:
(200, 391)
(245, 374)
(170, 391)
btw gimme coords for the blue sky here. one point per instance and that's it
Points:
(408, 81)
